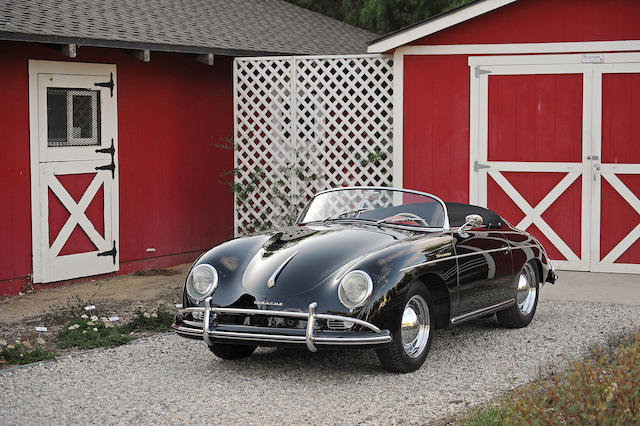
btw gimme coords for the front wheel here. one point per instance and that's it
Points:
(226, 351)
(412, 337)
(521, 313)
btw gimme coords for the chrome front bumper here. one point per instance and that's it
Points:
(311, 338)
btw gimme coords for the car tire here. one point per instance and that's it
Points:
(406, 353)
(527, 290)
(230, 352)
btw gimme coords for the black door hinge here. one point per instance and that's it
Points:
(111, 150)
(108, 84)
(113, 252)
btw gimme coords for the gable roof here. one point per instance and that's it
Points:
(225, 27)
(434, 24)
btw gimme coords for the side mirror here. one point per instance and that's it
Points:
(473, 221)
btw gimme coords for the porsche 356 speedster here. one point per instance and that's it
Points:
(364, 267)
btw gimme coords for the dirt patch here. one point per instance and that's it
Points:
(121, 296)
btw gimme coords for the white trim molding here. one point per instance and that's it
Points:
(398, 120)
(521, 48)
(431, 26)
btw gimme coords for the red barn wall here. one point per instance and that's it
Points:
(437, 89)
(547, 21)
(170, 111)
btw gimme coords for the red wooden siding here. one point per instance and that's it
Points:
(436, 125)
(529, 114)
(170, 112)
(547, 21)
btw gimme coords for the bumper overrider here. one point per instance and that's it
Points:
(370, 336)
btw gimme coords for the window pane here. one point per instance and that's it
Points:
(82, 117)
(73, 117)
(57, 117)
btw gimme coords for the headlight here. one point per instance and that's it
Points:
(202, 281)
(355, 288)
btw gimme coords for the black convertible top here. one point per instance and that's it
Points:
(458, 211)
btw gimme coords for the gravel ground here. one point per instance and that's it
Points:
(168, 379)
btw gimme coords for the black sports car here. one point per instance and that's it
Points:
(364, 267)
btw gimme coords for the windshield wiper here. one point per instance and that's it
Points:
(352, 212)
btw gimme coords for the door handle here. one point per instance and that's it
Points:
(596, 169)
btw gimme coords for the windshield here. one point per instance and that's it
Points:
(391, 206)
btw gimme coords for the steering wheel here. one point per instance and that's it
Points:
(398, 217)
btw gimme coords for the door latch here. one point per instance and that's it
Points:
(107, 84)
(111, 150)
(113, 252)
(596, 169)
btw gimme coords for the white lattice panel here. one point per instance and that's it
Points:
(303, 124)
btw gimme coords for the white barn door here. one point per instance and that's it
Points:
(74, 170)
(616, 172)
(554, 150)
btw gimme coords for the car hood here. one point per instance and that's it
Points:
(297, 259)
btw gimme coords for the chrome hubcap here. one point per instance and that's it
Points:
(415, 326)
(526, 294)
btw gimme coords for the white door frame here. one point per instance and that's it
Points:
(46, 163)
(592, 67)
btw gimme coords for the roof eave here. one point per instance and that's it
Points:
(133, 45)
(433, 25)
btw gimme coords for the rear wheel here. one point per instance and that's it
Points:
(412, 337)
(521, 313)
(226, 351)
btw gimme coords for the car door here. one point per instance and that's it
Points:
(485, 269)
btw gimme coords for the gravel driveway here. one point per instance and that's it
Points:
(168, 379)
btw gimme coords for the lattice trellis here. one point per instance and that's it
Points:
(303, 124)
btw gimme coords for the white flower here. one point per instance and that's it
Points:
(84, 331)
(104, 319)
(71, 328)
(27, 345)
(108, 325)
(95, 328)
(10, 346)
(3, 342)
(94, 318)
(89, 322)
(84, 316)
(146, 315)
(40, 341)
(154, 315)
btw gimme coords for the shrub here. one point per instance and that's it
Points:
(24, 353)
(159, 320)
(603, 389)
(86, 334)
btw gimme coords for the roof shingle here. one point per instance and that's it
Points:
(237, 27)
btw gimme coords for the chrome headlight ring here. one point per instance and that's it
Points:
(354, 289)
(202, 282)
